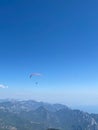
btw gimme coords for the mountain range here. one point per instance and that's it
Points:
(33, 115)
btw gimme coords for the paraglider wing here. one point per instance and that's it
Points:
(35, 74)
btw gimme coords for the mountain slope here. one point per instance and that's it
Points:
(32, 115)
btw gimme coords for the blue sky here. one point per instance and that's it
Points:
(56, 38)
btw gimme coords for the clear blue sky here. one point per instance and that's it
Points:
(56, 38)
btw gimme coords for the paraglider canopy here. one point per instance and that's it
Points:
(34, 75)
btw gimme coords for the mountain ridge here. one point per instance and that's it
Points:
(30, 114)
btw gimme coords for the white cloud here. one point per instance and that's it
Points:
(3, 86)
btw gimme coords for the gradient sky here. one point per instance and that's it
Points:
(58, 39)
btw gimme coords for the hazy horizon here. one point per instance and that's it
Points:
(85, 108)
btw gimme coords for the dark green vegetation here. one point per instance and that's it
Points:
(32, 115)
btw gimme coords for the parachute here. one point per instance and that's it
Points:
(34, 75)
